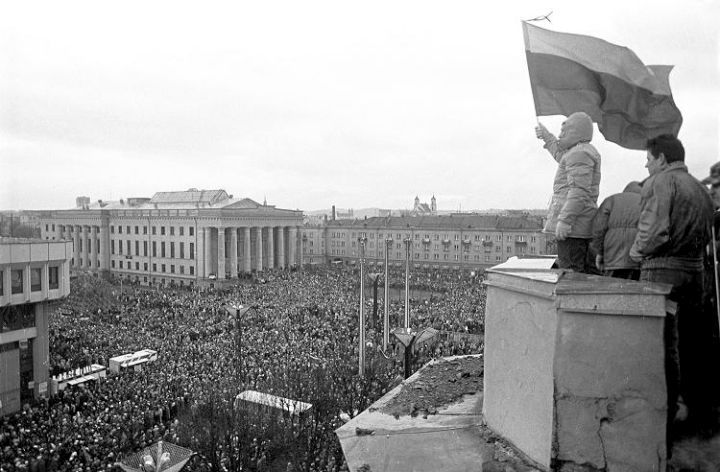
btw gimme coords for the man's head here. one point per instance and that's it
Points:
(577, 128)
(663, 150)
(632, 187)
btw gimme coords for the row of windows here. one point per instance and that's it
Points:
(163, 253)
(435, 236)
(17, 280)
(128, 228)
(163, 267)
(14, 317)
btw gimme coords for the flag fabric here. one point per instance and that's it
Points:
(630, 102)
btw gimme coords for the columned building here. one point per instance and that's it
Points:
(457, 241)
(179, 237)
(33, 273)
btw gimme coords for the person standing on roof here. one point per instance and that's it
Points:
(575, 190)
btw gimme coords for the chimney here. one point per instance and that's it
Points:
(333, 212)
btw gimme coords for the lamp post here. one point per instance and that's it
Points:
(237, 312)
(386, 296)
(410, 339)
(361, 352)
(408, 243)
(375, 277)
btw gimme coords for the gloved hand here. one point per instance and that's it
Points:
(542, 132)
(599, 263)
(562, 230)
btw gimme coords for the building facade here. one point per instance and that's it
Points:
(33, 273)
(179, 238)
(471, 241)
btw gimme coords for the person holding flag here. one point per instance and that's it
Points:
(575, 190)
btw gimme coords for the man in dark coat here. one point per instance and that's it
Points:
(674, 228)
(614, 230)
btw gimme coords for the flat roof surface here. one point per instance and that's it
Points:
(449, 441)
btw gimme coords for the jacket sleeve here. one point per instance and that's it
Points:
(551, 144)
(600, 227)
(654, 224)
(579, 170)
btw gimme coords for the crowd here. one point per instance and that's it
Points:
(299, 340)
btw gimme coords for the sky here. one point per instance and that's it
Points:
(310, 103)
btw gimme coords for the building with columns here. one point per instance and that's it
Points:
(456, 241)
(33, 274)
(182, 238)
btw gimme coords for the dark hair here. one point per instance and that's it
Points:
(667, 144)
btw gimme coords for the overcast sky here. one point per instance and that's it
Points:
(309, 104)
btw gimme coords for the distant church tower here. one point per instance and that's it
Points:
(433, 205)
(417, 203)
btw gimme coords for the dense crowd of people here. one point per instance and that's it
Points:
(299, 340)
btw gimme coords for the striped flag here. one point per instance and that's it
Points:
(630, 102)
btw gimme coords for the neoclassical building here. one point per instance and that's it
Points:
(182, 237)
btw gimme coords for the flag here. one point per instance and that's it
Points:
(630, 102)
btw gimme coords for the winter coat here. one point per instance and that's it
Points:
(615, 227)
(577, 179)
(675, 220)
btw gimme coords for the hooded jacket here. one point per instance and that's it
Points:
(577, 179)
(675, 221)
(615, 226)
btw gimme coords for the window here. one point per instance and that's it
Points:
(182, 231)
(53, 227)
(35, 279)
(137, 266)
(2, 283)
(154, 267)
(162, 249)
(137, 248)
(144, 229)
(172, 231)
(154, 249)
(192, 231)
(137, 230)
(154, 230)
(145, 248)
(128, 229)
(112, 246)
(127, 244)
(192, 250)
(182, 250)
(121, 264)
(192, 270)
(182, 268)
(120, 247)
(119, 229)
(47, 227)
(112, 264)
(172, 268)
(162, 231)
(162, 268)
(509, 249)
(145, 266)
(172, 249)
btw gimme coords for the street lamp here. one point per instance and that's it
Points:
(386, 298)
(361, 352)
(408, 242)
(159, 457)
(238, 311)
(375, 277)
(409, 339)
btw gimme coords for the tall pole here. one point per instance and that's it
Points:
(407, 282)
(361, 351)
(386, 313)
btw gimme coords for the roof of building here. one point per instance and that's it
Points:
(455, 221)
(6, 240)
(190, 196)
